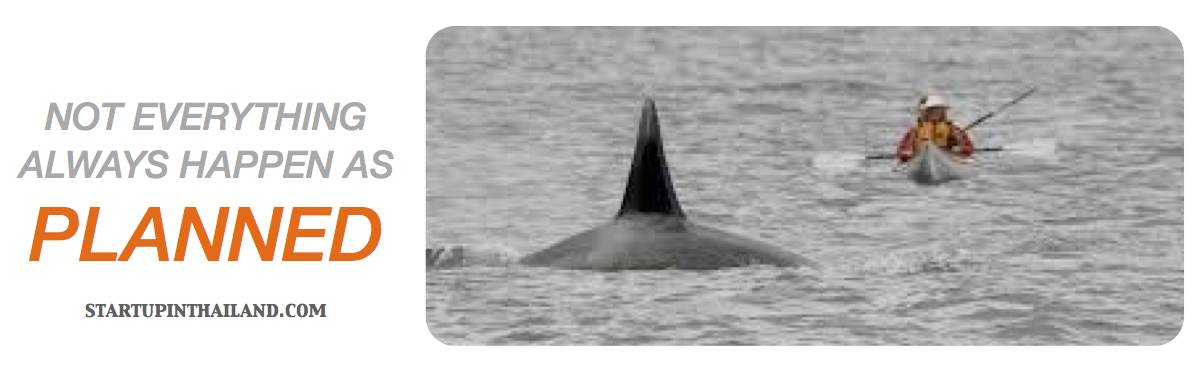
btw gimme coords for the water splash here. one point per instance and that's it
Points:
(476, 255)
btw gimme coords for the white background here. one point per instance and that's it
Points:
(338, 51)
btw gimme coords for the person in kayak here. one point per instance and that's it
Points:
(933, 125)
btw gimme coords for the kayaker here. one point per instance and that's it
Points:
(933, 125)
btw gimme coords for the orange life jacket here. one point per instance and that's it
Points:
(939, 132)
(943, 134)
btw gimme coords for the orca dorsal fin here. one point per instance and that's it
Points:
(649, 186)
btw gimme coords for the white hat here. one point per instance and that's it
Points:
(933, 101)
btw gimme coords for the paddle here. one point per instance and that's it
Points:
(881, 156)
(1001, 108)
(973, 124)
(890, 156)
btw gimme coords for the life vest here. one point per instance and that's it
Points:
(939, 132)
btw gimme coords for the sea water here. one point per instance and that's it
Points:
(530, 133)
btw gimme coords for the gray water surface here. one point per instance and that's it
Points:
(530, 133)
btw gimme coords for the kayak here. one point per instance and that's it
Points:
(932, 165)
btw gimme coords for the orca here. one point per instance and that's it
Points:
(651, 231)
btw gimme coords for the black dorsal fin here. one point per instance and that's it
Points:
(649, 186)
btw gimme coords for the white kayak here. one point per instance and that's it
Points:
(934, 166)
